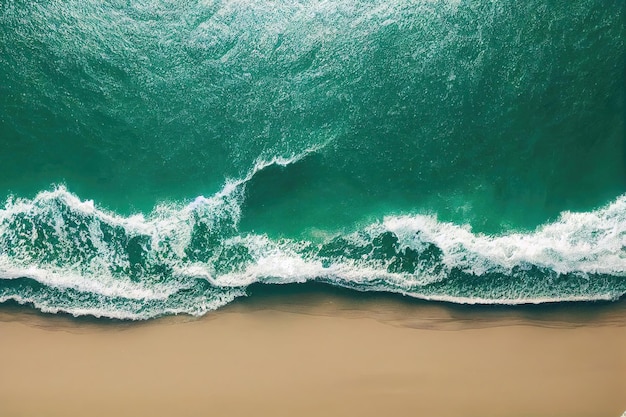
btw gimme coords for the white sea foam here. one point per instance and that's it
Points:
(103, 284)
(194, 307)
(588, 245)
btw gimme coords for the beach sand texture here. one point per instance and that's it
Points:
(323, 356)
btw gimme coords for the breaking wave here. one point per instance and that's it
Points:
(60, 253)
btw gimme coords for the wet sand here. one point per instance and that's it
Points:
(319, 354)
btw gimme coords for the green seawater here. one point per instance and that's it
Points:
(500, 113)
(497, 116)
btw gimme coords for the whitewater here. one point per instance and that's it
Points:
(59, 253)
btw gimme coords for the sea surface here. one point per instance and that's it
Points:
(158, 157)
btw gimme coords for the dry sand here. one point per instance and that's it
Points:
(319, 355)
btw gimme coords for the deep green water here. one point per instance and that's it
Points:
(471, 151)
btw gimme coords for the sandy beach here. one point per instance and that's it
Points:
(323, 354)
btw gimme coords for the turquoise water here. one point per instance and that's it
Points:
(157, 157)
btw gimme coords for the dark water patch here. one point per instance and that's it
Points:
(323, 299)
(12, 311)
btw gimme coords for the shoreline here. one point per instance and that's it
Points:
(314, 298)
(318, 351)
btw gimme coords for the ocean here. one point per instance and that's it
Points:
(158, 157)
